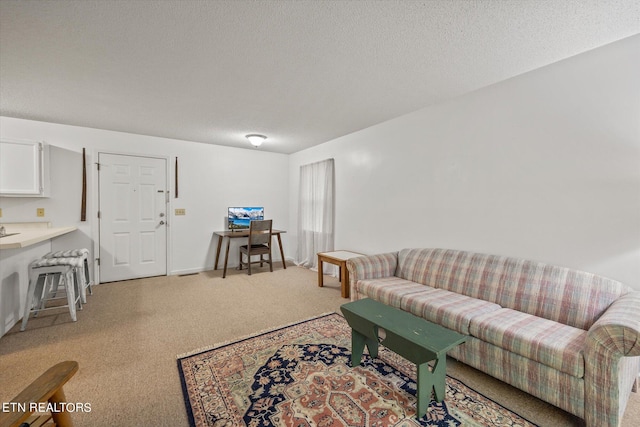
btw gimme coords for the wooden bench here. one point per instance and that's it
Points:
(412, 337)
(47, 388)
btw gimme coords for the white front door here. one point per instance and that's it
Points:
(132, 216)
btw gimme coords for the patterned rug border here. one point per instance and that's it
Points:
(253, 335)
(180, 357)
(201, 350)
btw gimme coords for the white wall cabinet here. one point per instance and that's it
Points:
(24, 168)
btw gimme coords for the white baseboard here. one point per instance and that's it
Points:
(210, 267)
(187, 271)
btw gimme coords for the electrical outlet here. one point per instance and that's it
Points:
(40, 212)
(181, 211)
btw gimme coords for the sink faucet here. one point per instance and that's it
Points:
(2, 230)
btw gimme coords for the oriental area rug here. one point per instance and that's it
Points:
(300, 375)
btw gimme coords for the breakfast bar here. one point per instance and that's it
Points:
(21, 244)
(21, 235)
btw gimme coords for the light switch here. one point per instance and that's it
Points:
(181, 211)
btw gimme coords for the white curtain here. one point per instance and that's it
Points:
(315, 213)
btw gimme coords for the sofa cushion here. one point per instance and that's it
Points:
(388, 290)
(551, 343)
(451, 310)
(571, 297)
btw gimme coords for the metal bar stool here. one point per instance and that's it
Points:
(82, 272)
(46, 275)
(50, 289)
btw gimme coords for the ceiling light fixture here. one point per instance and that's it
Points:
(255, 139)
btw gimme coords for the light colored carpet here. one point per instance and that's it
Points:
(128, 336)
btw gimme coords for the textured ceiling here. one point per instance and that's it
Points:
(301, 72)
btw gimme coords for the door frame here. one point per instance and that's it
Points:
(95, 205)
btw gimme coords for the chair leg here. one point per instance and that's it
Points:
(249, 262)
(81, 283)
(53, 281)
(71, 297)
(48, 288)
(87, 277)
(270, 261)
(33, 283)
(78, 287)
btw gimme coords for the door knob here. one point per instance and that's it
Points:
(161, 222)
(161, 214)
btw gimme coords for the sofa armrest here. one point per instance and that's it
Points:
(618, 329)
(371, 267)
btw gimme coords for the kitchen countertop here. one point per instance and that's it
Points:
(30, 234)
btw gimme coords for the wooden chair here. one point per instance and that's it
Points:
(259, 244)
(47, 388)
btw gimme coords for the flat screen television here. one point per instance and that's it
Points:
(239, 217)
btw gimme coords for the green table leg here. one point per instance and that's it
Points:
(413, 338)
(430, 381)
(439, 374)
(358, 342)
(425, 386)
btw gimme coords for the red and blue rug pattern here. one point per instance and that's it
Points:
(313, 385)
(301, 376)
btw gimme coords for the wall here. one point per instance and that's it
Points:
(544, 166)
(211, 178)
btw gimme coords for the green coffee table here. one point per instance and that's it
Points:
(412, 337)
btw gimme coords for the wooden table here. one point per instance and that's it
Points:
(237, 234)
(338, 258)
(412, 337)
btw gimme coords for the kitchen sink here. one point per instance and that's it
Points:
(8, 234)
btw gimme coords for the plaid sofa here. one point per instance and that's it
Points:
(569, 337)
